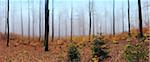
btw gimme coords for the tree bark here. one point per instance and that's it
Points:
(113, 17)
(129, 18)
(122, 17)
(52, 20)
(8, 23)
(39, 20)
(71, 21)
(46, 24)
(28, 21)
(21, 20)
(89, 21)
(140, 18)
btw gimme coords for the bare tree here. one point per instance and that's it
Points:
(129, 18)
(92, 8)
(89, 20)
(65, 18)
(28, 20)
(8, 23)
(113, 17)
(105, 20)
(21, 19)
(59, 27)
(71, 19)
(140, 18)
(52, 20)
(122, 17)
(39, 20)
(46, 24)
(33, 19)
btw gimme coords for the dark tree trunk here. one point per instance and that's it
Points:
(46, 24)
(140, 18)
(113, 17)
(8, 23)
(129, 33)
(89, 21)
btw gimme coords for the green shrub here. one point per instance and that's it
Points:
(73, 53)
(134, 53)
(98, 50)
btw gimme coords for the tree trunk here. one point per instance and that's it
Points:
(113, 17)
(8, 23)
(21, 19)
(33, 20)
(52, 20)
(129, 18)
(71, 20)
(28, 21)
(59, 27)
(140, 18)
(122, 17)
(39, 20)
(89, 21)
(46, 24)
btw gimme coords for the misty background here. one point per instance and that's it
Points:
(103, 15)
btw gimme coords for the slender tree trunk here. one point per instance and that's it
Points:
(140, 18)
(122, 18)
(28, 21)
(129, 18)
(66, 27)
(21, 20)
(93, 25)
(71, 20)
(52, 20)
(8, 23)
(33, 20)
(148, 13)
(39, 20)
(113, 17)
(89, 21)
(46, 24)
(105, 20)
(59, 27)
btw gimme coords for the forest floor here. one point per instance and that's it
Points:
(23, 50)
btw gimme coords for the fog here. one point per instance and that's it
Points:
(103, 15)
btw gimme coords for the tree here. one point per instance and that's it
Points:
(92, 9)
(28, 20)
(89, 21)
(140, 18)
(21, 19)
(46, 24)
(39, 20)
(33, 19)
(59, 27)
(52, 20)
(71, 19)
(129, 18)
(105, 20)
(66, 25)
(8, 23)
(113, 17)
(122, 18)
